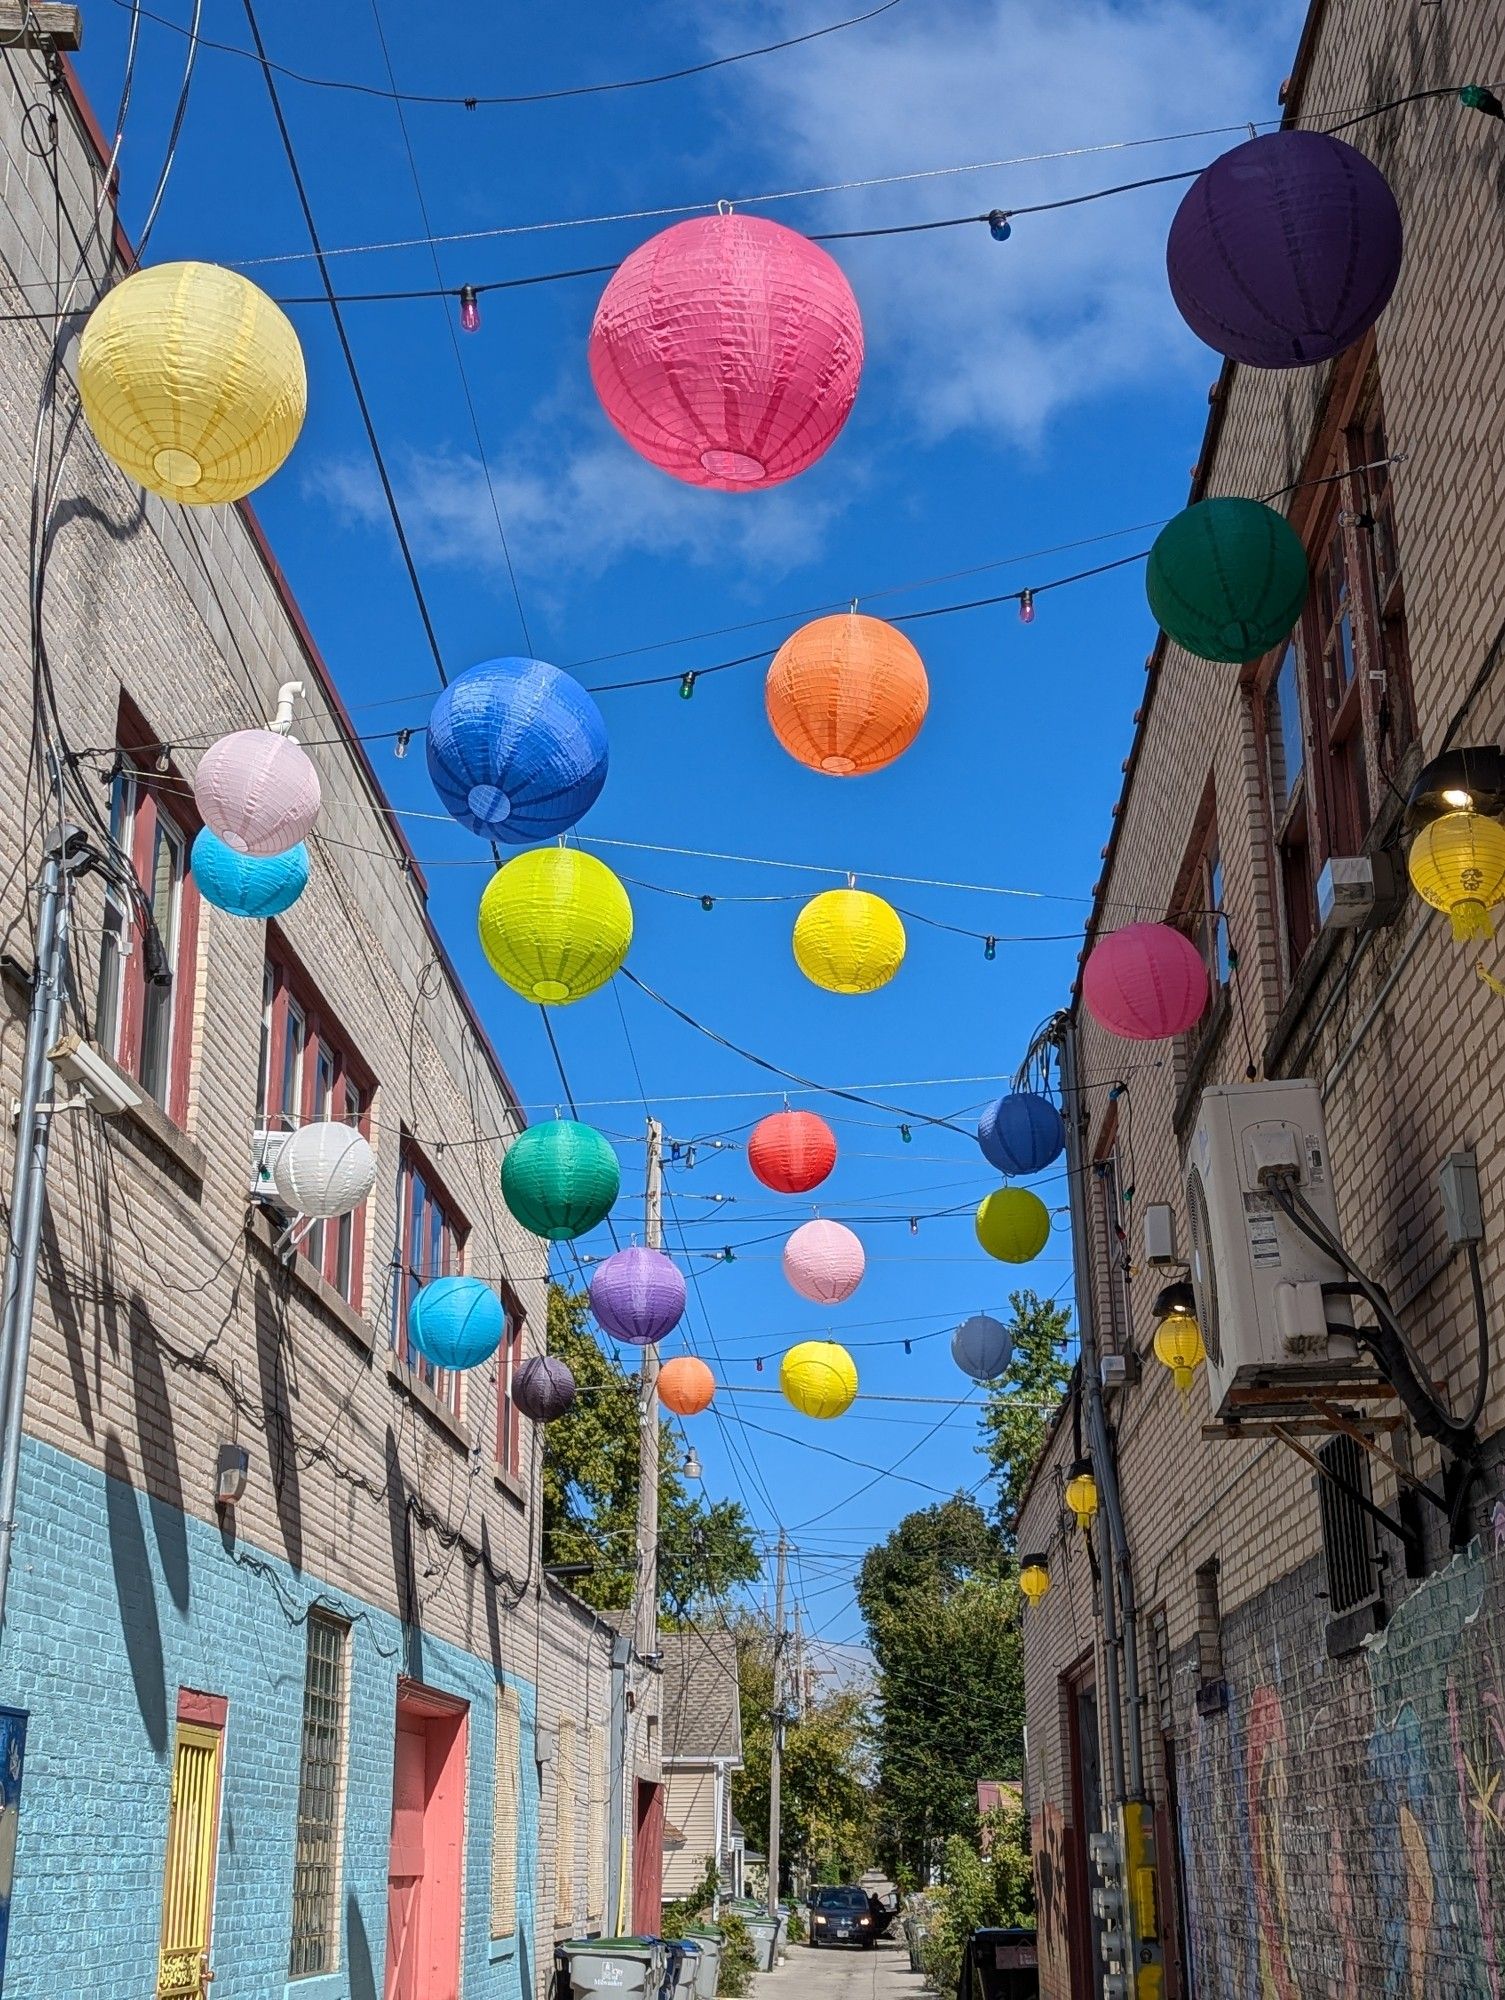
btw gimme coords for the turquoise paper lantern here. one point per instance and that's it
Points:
(456, 1322)
(247, 885)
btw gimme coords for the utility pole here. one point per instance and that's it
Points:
(776, 1757)
(645, 1626)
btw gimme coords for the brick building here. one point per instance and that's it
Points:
(391, 1755)
(1320, 1696)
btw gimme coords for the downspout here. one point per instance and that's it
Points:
(722, 1766)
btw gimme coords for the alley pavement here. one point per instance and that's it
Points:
(842, 1972)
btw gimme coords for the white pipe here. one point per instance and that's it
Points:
(287, 694)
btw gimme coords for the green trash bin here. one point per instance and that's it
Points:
(622, 1967)
(764, 1933)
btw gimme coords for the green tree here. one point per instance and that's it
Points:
(1020, 1404)
(590, 1488)
(985, 1881)
(826, 1816)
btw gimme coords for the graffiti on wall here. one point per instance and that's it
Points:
(1344, 1822)
(1048, 1839)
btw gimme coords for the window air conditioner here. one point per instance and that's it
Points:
(266, 1147)
(1258, 1280)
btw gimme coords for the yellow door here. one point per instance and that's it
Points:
(188, 1878)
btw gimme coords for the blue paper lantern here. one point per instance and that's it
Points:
(982, 1348)
(247, 885)
(456, 1322)
(1021, 1134)
(517, 750)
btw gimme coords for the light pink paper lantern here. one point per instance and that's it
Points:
(727, 350)
(258, 791)
(1145, 982)
(824, 1261)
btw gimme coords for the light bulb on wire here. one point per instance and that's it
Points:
(470, 309)
(1026, 607)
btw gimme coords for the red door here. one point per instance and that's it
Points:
(648, 1860)
(426, 1863)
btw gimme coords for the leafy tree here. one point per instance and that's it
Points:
(826, 1820)
(1019, 1405)
(936, 1549)
(590, 1489)
(985, 1882)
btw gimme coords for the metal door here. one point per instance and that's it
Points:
(183, 1970)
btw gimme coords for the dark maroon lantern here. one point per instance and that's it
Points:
(638, 1295)
(543, 1388)
(1285, 250)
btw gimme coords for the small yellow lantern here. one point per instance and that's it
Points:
(1081, 1494)
(192, 381)
(1178, 1338)
(848, 941)
(1457, 864)
(1034, 1577)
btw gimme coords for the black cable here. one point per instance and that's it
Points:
(333, 303)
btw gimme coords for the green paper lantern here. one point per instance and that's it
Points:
(560, 1179)
(1227, 579)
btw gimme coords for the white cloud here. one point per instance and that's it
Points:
(973, 333)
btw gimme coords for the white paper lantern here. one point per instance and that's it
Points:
(258, 791)
(326, 1169)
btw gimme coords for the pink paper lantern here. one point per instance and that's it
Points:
(258, 791)
(1145, 982)
(727, 350)
(824, 1261)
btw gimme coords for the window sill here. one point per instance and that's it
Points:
(1346, 1634)
(149, 1127)
(315, 1288)
(420, 1393)
(502, 1947)
(509, 1484)
(1207, 1045)
(318, 1986)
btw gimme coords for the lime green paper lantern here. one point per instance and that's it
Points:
(560, 1179)
(1227, 579)
(1013, 1225)
(555, 924)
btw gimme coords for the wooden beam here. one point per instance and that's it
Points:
(41, 21)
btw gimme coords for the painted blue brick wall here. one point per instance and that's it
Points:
(117, 1601)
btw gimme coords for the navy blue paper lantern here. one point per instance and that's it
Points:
(517, 750)
(1021, 1134)
(248, 885)
(456, 1322)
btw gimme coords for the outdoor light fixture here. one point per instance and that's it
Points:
(1081, 1494)
(1178, 1338)
(1034, 1577)
(693, 1468)
(231, 1468)
(470, 309)
(1462, 780)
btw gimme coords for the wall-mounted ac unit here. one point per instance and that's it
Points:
(1258, 1279)
(266, 1146)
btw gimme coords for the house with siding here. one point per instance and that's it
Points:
(1309, 1661)
(702, 1725)
(342, 1737)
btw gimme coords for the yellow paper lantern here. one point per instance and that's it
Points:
(1081, 1493)
(1457, 864)
(555, 924)
(1012, 1225)
(819, 1377)
(1178, 1345)
(1034, 1577)
(848, 941)
(192, 381)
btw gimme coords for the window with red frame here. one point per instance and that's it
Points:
(1198, 911)
(1335, 705)
(1118, 1328)
(509, 1448)
(432, 1235)
(144, 1014)
(309, 1071)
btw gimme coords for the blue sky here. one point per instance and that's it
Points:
(1018, 400)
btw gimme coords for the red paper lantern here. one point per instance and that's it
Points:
(1145, 982)
(791, 1152)
(686, 1385)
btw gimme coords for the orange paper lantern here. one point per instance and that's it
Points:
(846, 695)
(686, 1385)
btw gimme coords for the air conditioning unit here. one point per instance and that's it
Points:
(266, 1148)
(1258, 1279)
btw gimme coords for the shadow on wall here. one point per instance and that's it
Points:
(404, 1573)
(273, 1354)
(358, 1963)
(135, 1595)
(157, 1443)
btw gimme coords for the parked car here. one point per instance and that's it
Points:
(841, 1916)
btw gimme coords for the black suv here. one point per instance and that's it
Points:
(841, 1916)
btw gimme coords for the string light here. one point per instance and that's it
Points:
(1479, 97)
(905, 1134)
(400, 747)
(708, 902)
(990, 947)
(686, 686)
(999, 226)
(1026, 607)
(470, 309)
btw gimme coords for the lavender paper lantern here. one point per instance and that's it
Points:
(258, 791)
(638, 1295)
(1285, 250)
(982, 1347)
(824, 1261)
(543, 1388)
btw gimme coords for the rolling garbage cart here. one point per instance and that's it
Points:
(1000, 1965)
(626, 1968)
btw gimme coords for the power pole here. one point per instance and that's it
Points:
(645, 1627)
(776, 1758)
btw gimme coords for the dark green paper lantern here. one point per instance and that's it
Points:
(1227, 579)
(560, 1179)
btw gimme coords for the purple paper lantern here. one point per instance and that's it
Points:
(1285, 250)
(543, 1388)
(638, 1295)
